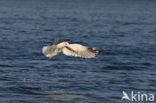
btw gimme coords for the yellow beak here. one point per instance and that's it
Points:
(50, 57)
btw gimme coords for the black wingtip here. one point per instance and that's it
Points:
(95, 51)
(99, 51)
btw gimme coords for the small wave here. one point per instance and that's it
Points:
(147, 64)
(48, 30)
(5, 65)
(29, 88)
(121, 68)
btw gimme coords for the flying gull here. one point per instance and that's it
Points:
(62, 45)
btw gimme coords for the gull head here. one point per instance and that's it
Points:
(49, 51)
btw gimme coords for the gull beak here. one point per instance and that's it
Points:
(50, 57)
(47, 55)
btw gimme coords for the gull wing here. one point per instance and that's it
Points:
(59, 40)
(78, 50)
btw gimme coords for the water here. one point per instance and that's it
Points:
(124, 29)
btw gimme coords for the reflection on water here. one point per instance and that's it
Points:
(66, 96)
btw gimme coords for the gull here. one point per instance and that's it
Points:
(61, 45)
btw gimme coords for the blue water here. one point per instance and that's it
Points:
(124, 29)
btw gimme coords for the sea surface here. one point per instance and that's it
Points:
(124, 29)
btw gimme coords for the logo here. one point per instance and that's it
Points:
(137, 97)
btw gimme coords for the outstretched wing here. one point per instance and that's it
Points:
(59, 40)
(80, 51)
